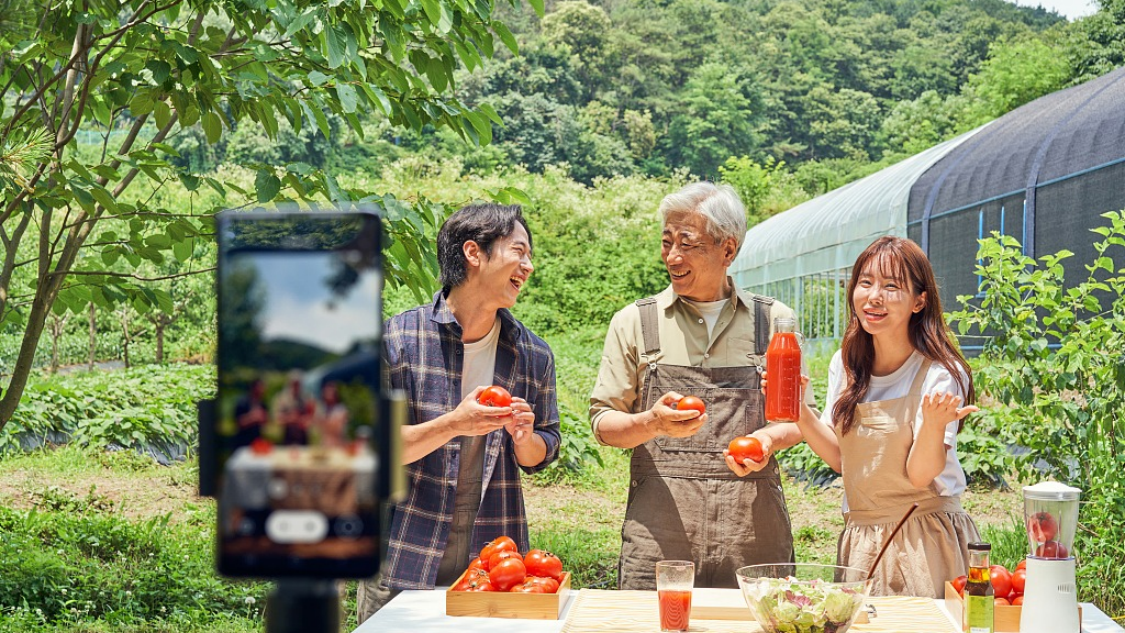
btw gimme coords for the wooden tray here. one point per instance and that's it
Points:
(636, 611)
(1005, 619)
(500, 604)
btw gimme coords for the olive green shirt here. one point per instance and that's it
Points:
(683, 341)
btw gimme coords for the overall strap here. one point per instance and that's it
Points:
(920, 377)
(650, 325)
(762, 323)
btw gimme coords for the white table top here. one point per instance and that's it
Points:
(420, 610)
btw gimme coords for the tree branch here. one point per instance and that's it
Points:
(94, 273)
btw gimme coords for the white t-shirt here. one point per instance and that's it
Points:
(479, 367)
(710, 311)
(951, 481)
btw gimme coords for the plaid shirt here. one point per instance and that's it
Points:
(424, 353)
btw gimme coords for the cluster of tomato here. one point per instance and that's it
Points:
(1042, 527)
(740, 448)
(1008, 586)
(501, 568)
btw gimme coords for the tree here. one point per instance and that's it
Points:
(719, 118)
(141, 71)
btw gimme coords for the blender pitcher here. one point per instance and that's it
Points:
(1050, 596)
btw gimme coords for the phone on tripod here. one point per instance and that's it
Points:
(303, 437)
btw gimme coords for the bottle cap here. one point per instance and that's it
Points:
(980, 547)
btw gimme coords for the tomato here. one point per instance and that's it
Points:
(1022, 565)
(1001, 580)
(524, 587)
(1001, 602)
(495, 396)
(1042, 527)
(1017, 601)
(477, 563)
(691, 402)
(507, 573)
(746, 447)
(261, 446)
(482, 585)
(959, 584)
(498, 544)
(1019, 580)
(540, 563)
(495, 559)
(1051, 549)
(471, 576)
(550, 585)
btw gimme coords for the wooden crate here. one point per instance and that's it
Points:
(497, 604)
(1005, 619)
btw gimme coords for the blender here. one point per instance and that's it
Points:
(1050, 602)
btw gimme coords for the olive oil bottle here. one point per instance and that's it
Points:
(979, 595)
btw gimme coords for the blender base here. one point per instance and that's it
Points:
(1050, 599)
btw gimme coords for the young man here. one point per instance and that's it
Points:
(702, 336)
(463, 458)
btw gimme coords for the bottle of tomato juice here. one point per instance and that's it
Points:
(783, 364)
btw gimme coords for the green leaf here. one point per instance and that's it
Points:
(318, 78)
(267, 185)
(190, 182)
(104, 198)
(302, 21)
(162, 113)
(377, 96)
(212, 127)
(433, 10)
(159, 69)
(347, 95)
(335, 44)
(506, 37)
(182, 250)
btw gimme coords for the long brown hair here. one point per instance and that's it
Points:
(929, 333)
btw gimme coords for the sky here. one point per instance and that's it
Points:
(1072, 9)
(298, 306)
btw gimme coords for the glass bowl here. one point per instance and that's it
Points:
(792, 597)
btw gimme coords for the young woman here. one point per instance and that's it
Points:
(897, 392)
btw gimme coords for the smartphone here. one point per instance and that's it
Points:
(299, 409)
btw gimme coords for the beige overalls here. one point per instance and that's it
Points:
(684, 503)
(932, 546)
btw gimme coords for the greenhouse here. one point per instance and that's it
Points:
(1043, 173)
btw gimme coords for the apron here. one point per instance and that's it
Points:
(932, 546)
(684, 503)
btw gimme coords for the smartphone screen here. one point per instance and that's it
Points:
(298, 400)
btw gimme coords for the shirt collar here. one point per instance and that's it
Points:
(509, 326)
(668, 297)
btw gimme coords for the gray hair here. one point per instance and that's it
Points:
(717, 203)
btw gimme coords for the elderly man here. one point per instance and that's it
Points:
(705, 337)
(464, 458)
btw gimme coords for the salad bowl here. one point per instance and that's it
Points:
(804, 597)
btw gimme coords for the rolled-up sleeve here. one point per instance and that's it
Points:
(546, 409)
(618, 384)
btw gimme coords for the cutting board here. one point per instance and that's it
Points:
(717, 611)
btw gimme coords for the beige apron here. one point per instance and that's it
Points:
(684, 503)
(932, 546)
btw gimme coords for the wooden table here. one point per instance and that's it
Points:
(419, 611)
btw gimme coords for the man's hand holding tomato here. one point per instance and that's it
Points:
(772, 437)
(748, 464)
(666, 420)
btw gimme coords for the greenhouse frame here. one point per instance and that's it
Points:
(1043, 173)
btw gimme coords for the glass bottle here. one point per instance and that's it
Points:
(783, 366)
(980, 598)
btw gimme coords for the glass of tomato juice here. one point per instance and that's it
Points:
(674, 581)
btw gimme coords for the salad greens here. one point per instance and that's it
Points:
(788, 605)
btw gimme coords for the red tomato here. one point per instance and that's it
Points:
(495, 396)
(507, 573)
(261, 446)
(540, 563)
(477, 563)
(481, 585)
(495, 559)
(1051, 549)
(1022, 565)
(1001, 580)
(550, 585)
(959, 584)
(691, 402)
(746, 447)
(1042, 527)
(1017, 601)
(471, 576)
(524, 587)
(1001, 602)
(499, 544)
(1019, 580)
